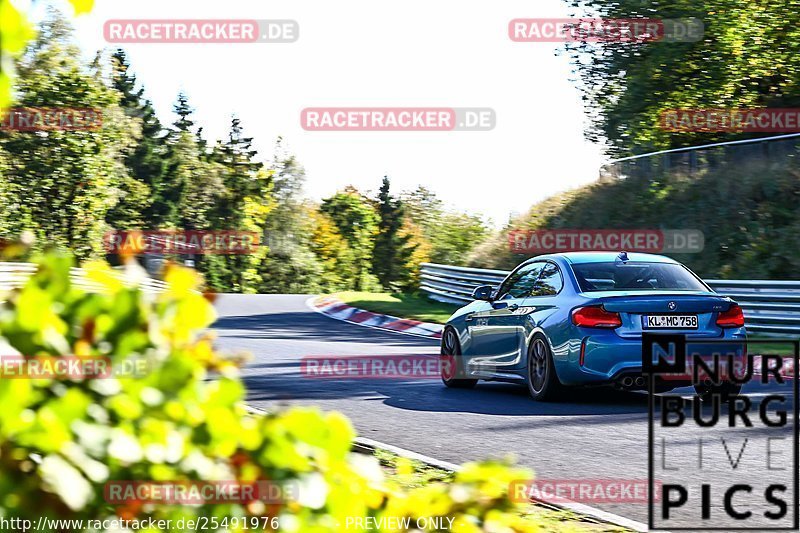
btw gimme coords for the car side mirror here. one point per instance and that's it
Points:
(484, 292)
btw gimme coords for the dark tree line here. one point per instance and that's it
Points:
(69, 188)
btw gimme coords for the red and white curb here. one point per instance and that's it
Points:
(335, 308)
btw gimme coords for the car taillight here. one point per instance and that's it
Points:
(595, 317)
(732, 318)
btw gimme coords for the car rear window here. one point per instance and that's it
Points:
(635, 276)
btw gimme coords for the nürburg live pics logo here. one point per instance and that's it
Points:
(723, 433)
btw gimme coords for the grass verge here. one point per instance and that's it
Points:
(413, 306)
(411, 474)
(753, 346)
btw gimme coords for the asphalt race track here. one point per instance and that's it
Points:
(595, 434)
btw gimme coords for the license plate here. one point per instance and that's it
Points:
(670, 321)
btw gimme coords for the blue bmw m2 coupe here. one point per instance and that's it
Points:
(576, 319)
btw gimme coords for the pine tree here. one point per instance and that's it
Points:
(392, 249)
(146, 162)
(244, 191)
(286, 216)
(181, 164)
(184, 111)
(241, 175)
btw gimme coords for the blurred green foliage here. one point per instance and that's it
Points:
(61, 440)
(61, 184)
(747, 58)
(15, 32)
(747, 209)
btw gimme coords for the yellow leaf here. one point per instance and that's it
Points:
(101, 273)
(82, 6)
(15, 28)
(405, 467)
(5, 92)
(182, 281)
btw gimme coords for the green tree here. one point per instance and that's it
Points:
(285, 223)
(331, 249)
(456, 235)
(452, 235)
(241, 175)
(357, 221)
(423, 207)
(242, 205)
(61, 184)
(295, 270)
(750, 222)
(204, 185)
(391, 251)
(747, 58)
(289, 264)
(184, 112)
(192, 186)
(141, 203)
(15, 33)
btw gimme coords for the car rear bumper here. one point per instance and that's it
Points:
(605, 358)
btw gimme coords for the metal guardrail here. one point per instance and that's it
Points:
(770, 307)
(15, 275)
(691, 160)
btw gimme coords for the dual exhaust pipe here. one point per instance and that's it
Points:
(628, 382)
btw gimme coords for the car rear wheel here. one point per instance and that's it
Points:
(543, 383)
(451, 364)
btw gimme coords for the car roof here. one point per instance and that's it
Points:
(605, 257)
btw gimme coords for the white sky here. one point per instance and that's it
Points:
(363, 53)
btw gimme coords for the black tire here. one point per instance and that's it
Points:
(451, 363)
(724, 390)
(543, 383)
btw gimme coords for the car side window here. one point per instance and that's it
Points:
(521, 282)
(549, 283)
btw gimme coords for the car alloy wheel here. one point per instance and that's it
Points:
(538, 365)
(449, 362)
(543, 383)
